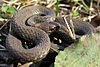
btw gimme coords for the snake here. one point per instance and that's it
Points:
(80, 28)
(39, 39)
(20, 31)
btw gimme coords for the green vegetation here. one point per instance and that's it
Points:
(84, 53)
(57, 7)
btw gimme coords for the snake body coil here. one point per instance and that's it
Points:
(80, 27)
(40, 41)
(37, 37)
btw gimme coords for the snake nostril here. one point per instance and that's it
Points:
(57, 27)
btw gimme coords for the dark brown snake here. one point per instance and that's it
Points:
(39, 38)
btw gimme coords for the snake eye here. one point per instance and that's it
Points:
(54, 27)
(57, 27)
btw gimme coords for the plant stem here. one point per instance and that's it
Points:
(56, 7)
(85, 6)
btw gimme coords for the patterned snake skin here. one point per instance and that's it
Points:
(80, 28)
(39, 39)
(40, 42)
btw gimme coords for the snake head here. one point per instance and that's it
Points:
(47, 26)
(45, 23)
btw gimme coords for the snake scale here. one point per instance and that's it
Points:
(39, 38)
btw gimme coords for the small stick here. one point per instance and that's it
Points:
(71, 33)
